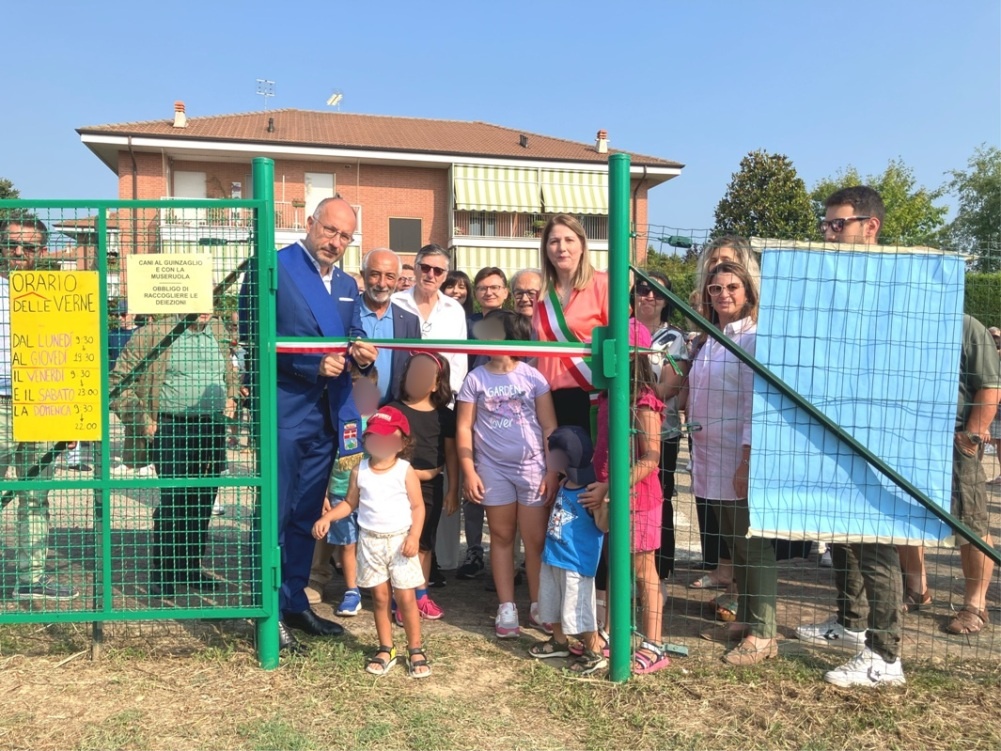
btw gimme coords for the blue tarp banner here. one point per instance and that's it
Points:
(872, 339)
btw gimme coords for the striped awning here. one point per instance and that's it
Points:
(511, 189)
(571, 192)
(510, 260)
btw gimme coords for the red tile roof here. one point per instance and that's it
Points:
(375, 132)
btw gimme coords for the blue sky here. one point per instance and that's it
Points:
(702, 83)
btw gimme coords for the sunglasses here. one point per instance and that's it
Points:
(837, 225)
(715, 290)
(427, 268)
(644, 290)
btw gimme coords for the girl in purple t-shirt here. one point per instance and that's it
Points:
(504, 414)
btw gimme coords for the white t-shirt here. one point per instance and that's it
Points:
(447, 321)
(383, 503)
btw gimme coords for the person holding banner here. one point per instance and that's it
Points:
(720, 393)
(867, 575)
(22, 239)
(574, 301)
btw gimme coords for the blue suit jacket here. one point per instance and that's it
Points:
(300, 387)
(405, 326)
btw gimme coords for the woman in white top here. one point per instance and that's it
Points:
(720, 392)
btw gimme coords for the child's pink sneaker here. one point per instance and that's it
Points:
(506, 624)
(429, 609)
(534, 622)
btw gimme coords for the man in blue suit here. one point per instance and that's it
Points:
(382, 319)
(317, 420)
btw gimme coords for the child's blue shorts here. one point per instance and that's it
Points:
(343, 531)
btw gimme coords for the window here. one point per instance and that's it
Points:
(482, 224)
(405, 235)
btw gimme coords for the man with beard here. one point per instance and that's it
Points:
(383, 319)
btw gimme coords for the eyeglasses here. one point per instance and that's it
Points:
(715, 290)
(837, 225)
(427, 268)
(643, 290)
(334, 233)
(406, 280)
(493, 289)
(531, 294)
(426, 327)
(29, 248)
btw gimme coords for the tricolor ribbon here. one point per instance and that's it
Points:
(339, 346)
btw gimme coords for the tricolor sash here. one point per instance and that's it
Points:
(554, 325)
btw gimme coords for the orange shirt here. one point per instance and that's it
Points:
(587, 309)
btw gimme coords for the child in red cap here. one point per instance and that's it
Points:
(387, 494)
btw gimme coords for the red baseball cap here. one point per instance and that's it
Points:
(387, 421)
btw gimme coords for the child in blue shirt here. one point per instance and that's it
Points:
(570, 556)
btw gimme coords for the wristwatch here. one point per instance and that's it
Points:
(975, 438)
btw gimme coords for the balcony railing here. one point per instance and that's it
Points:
(509, 226)
(289, 215)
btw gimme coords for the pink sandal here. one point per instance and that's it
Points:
(643, 664)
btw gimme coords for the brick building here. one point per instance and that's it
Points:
(479, 189)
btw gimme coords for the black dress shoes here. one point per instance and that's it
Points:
(287, 641)
(311, 623)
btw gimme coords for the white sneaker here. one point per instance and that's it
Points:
(867, 669)
(830, 632)
(506, 624)
(827, 560)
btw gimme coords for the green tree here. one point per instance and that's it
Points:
(912, 218)
(766, 198)
(7, 189)
(977, 226)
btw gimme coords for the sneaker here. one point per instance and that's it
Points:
(217, 509)
(472, 566)
(350, 603)
(867, 669)
(830, 632)
(44, 589)
(535, 622)
(506, 623)
(429, 609)
(436, 579)
(827, 560)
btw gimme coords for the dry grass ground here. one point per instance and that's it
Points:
(192, 685)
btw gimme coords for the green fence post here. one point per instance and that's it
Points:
(267, 437)
(616, 349)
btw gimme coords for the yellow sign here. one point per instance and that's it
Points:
(173, 283)
(55, 333)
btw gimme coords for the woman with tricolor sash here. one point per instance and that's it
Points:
(574, 301)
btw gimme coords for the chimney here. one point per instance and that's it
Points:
(602, 144)
(523, 140)
(180, 119)
(271, 125)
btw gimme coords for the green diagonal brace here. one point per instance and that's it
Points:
(899, 480)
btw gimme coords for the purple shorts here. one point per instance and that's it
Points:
(519, 484)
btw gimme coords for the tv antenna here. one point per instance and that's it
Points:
(335, 99)
(266, 89)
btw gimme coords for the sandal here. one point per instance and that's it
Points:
(376, 665)
(726, 608)
(913, 601)
(418, 667)
(577, 647)
(708, 582)
(655, 659)
(549, 648)
(586, 664)
(969, 620)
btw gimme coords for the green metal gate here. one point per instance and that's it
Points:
(115, 527)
